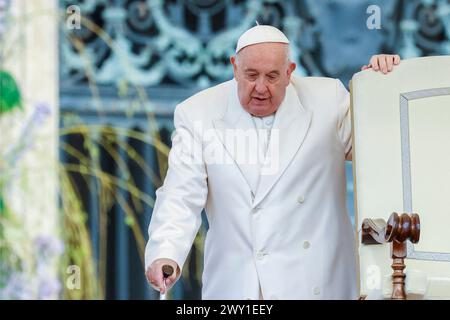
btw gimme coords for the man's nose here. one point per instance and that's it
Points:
(261, 85)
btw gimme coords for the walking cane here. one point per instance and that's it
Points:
(167, 272)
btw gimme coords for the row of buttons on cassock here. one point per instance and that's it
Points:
(260, 255)
(300, 199)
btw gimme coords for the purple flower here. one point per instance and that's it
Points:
(48, 246)
(14, 153)
(49, 288)
(48, 285)
(41, 112)
(17, 287)
(4, 6)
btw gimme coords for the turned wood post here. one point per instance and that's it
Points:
(397, 230)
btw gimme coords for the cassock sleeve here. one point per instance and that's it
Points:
(176, 214)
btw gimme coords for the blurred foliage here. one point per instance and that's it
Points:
(74, 231)
(9, 93)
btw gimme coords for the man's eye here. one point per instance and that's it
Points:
(252, 76)
(272, 77)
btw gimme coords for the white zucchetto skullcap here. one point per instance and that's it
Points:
(260, 34)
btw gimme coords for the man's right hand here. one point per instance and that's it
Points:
(155, 275)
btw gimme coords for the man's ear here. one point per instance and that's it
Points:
(233, 62)
(291, 69)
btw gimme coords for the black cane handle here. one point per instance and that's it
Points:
(167, 270)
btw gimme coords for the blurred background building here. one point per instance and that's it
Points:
(121, 67)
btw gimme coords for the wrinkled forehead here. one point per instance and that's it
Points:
(269, 54)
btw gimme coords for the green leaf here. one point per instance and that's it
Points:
(1, 205)
(9, 93)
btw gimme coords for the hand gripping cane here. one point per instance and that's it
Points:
(167, 272)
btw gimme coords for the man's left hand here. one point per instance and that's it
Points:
(383, 62)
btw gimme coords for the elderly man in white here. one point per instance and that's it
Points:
(278, 226)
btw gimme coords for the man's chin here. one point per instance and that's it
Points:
(261, 111)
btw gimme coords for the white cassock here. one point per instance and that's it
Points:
(288, 233)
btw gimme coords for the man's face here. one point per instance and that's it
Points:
(262, 72)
